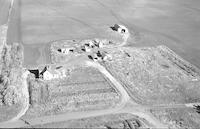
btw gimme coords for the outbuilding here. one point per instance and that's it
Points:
(85, 48)
(35, 72)
(65, 50)
(115, 27)
(119, 28)
(47, 75)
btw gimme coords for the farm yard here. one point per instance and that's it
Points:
(85, 88)
(153, 76)
(99, 64)
(65, 51)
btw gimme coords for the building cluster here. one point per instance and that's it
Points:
(66, 50)
(100, 56)
(54, 74)
(90, 44)
(87, 46)
(90, 47)
(49, 73)
(119, 28)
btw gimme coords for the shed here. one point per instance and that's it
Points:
(35, 72)
(47, 75)
(115, 27)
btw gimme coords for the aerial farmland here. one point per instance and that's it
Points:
(130, 64)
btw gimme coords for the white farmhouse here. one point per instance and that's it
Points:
(54, 74)
(47, 75)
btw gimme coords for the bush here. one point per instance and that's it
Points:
(11, 72)
(4, 81)
(16, 55)
(6, 59)
(10, 96)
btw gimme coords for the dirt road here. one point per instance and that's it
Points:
(14, 23)
(25, 97)
(118, 86)
(135, 110)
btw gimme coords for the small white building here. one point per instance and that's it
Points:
(90, 44)
(47, 75)
(50, 74)
(99, 44)
(66, 50)
(122, 29)
(107, 57)
(85, 48)
(101, 56)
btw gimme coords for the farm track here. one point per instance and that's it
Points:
(125, 96)
(25, 95)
